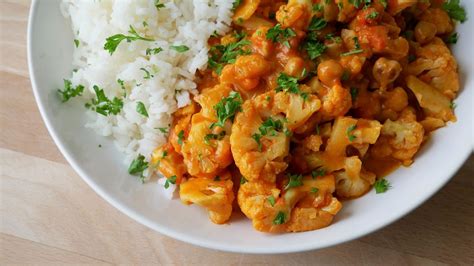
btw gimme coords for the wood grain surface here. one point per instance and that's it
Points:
(49, 215)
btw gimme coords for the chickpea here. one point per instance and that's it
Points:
(386, 71)
(294, 66)
(330, 72)
(425, 32)
(396, 100)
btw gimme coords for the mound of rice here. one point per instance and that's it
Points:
(171, 73)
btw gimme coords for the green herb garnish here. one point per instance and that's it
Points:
(76, 43)
(179, 48)
(227, 108)
(277, 34)
(318, 172)
(180, 137)
(455, 10)
(150, 51)
(295, 181)
(170, 180)
(141, 109)
(69, 91)
(349, 131)
(279, 218)
(104, 105)
(381, 186)
(210, 137)
(112, 42)
(221, 55)
(159, 5)
(317, 24)
(137, 166)
(271, 200)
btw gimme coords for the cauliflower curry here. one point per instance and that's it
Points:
(308, 102)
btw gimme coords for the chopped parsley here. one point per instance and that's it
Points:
(317, 7)
(314, 48)
(141, 109)
(147, 73)
(220, 55)
(349, 133)
(333, 37)
(357, 49)
(112, 42)
(314, 190)
(345, 75)
(289, 84)
(356, 3)
(104, 105)
(209, 137)
(236, 4)
(317, 24)
(271, 200)
(453, 38)
(227, 108)
(159, 5)
(455, 10)
(69, 91)
(269, 126)
(163, 130)
(243, 180)
(137, 166)
(372, 15)
(381, 186)
(277, 34)
(279, 218)
(318, 172)
(170, 180)
(150, 51)
(179, 48)
(294, 181)
(384, 3)
(76, 43)
(354, 93)
(180, 137)
(452, 105)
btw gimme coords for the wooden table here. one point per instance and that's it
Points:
(49, 215)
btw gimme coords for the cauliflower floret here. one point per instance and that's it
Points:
(295, 14)
(168, 162)
(439, 18)
(400, 139)
(354, 181)
(300, 208)
(436, 66)
(214, 195)
(434, 103)
(336, 101)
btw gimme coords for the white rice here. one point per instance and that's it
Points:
(180, 22)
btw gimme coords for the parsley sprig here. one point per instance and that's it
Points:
(289, 84)
(221, 55)
(104, 105)
(227, 108)
(381, 186)
(137, 166)
(294, 181)
(349, 133)
(277, 34)
(280, 218)
(70, 91)
(455, 10)
(170, 180)
(269, 126)
(112, 42)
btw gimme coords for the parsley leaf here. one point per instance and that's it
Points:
(209, 137)
(163, 130)
(220, 55)
(317, 24)
(159, 5)
(179, 48)
(381, 186)
(180, 137)
(279, 218)
(141, 109)
(455, 10)
(453, 38)
(104, 105)
(314, 190)
(289, 84)
(295, 181)
(170, 180)
(147, 73)
(271, 200)
(277, 34)
(227, 108)
(349, 132)
(76, 43)
(137, 166)
(69, 91)
(314, 48)
(318, 172)
(268, 126)
(354, 93)
(372, 15)
(243, 180)
(236, 4)
(150, 51)
(112, 42)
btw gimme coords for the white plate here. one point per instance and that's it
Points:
(50, 47)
